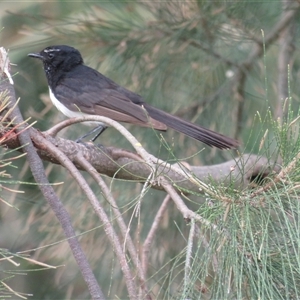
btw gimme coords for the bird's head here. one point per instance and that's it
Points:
(60, 57)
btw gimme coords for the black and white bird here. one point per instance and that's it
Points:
(78, 90)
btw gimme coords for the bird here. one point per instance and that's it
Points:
(78, 90)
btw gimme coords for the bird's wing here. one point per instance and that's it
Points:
(91, 97)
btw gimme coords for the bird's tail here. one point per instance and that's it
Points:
(208, 137)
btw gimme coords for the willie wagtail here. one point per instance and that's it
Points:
(78, 90)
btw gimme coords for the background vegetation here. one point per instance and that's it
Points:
(223, 65)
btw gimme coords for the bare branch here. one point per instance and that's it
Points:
(189, 249)
(185, 211)
(152, 231)
(123, 227)
(110, 232)
(123, 164)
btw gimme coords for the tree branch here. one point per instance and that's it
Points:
(126, 165)
(152, 232)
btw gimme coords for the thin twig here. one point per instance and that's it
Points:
(282, 174)
(121, 223)
(152, 232)
(64, 160)
(189, 249)
(185, 211)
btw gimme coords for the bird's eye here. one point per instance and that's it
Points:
(50, 55)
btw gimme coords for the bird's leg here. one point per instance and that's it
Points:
(99, 129)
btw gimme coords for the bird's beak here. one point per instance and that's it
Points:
(36, 55)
